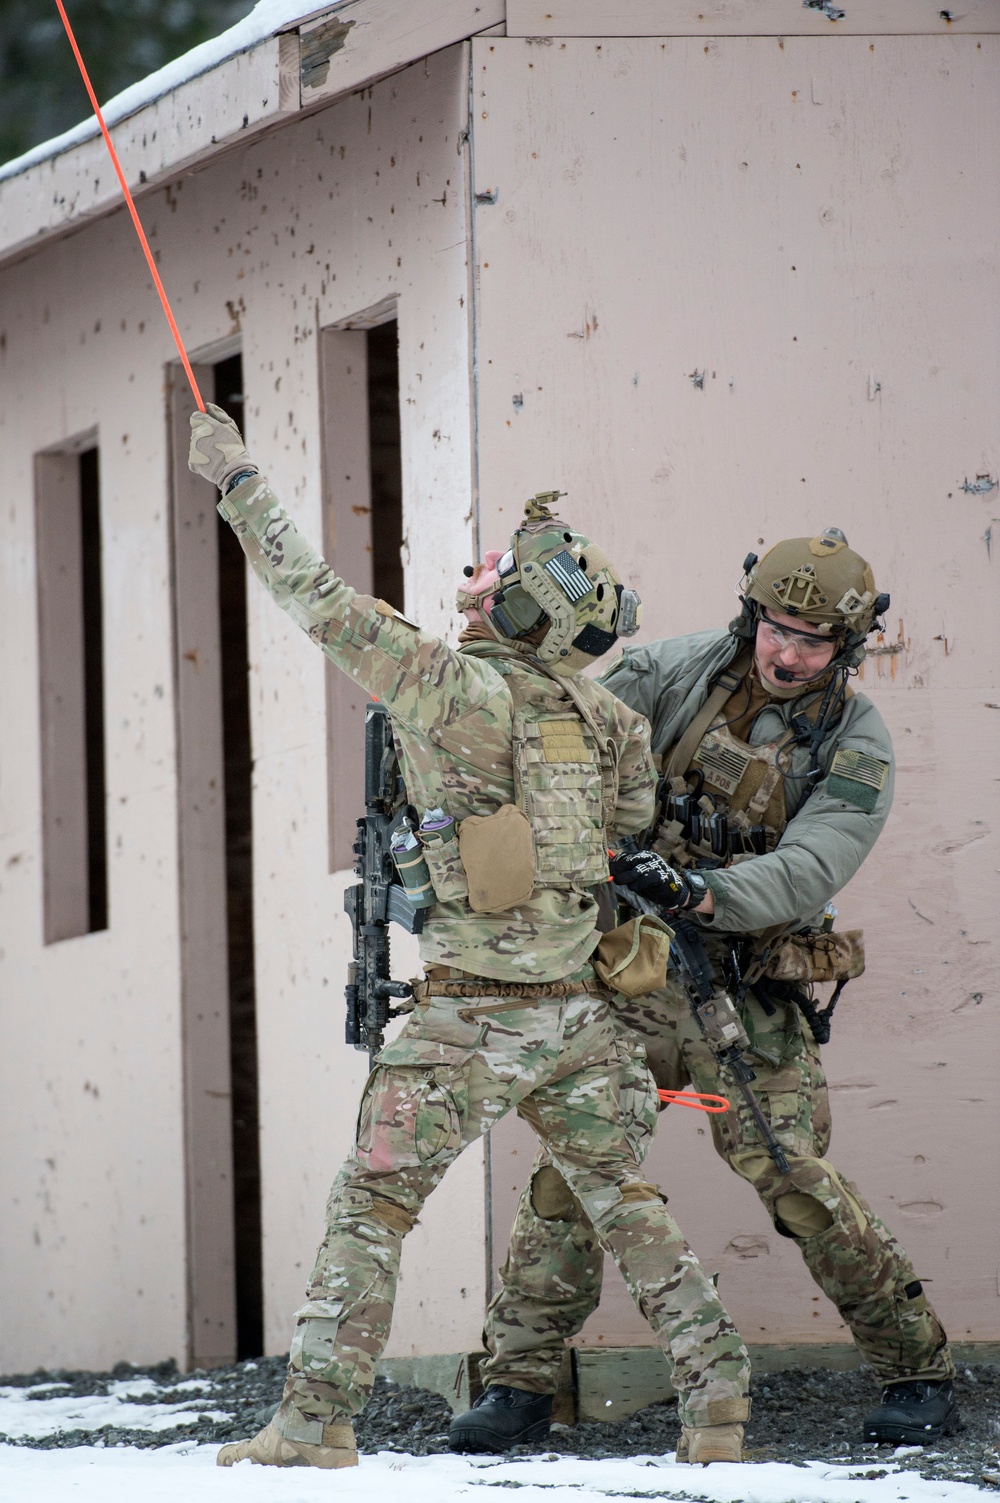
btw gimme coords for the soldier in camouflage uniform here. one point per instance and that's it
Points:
(777, 782)
(536, 765)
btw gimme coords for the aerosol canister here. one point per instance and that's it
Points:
(408, 854)
(436, 827)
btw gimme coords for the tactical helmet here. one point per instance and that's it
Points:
(554, 574)
(822, 581)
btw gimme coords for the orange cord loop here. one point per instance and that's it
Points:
(131, 208)
(696, 1099)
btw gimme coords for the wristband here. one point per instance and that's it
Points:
(238, 479)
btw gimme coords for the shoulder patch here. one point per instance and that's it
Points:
(857, 778)
(385, 609)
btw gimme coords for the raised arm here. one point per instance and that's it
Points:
(391, 658)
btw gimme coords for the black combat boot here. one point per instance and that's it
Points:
(914, 1414)
(500, 1418)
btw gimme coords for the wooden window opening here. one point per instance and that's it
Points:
(71, 669)
(363, 527)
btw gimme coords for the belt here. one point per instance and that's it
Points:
(446, 981)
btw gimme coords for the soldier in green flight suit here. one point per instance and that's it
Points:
(537, 767)
(777, 780)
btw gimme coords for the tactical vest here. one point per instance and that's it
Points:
(566, 780)
(729, 805)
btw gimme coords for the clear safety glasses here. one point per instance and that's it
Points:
(807, 647)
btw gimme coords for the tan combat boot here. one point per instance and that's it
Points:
(705, 1443)
(270, 1448)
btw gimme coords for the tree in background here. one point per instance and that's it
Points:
(41, 92)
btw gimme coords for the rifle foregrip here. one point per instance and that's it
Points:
(352, 1030)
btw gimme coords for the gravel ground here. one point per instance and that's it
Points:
(798, 1415)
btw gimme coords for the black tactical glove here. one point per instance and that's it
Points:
(650, 876)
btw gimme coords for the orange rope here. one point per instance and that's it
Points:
(697, 1099)
(131, 208)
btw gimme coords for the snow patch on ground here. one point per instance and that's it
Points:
(185, 1471)
(23, 1416)
(267, 17)
(188, 1474)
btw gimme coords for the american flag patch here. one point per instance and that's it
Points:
(857, 778)
(568, 575)
(860, 768)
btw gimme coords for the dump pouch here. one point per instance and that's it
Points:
(817, 957)
(632, 959)
(498, 856)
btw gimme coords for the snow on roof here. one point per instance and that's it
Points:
(266, 18)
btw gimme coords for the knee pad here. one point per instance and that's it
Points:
(551, 1197)
(798, 1215)
(823, 1200)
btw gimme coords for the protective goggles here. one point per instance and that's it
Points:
(805, 644)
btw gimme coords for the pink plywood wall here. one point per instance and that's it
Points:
(739, 288)
(735, 289)
(262, 250)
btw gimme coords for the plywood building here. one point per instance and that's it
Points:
(723, 273)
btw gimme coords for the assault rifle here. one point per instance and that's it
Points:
(720, 1022)
(379, 898)
(714, 1011)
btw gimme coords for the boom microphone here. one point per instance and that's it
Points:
(784, 675)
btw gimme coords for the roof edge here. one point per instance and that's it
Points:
(293, 67)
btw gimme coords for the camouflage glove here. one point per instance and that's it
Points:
(217, 449)
(650, 876)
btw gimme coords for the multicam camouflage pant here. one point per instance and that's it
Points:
(551, 1280)
(440, 1085)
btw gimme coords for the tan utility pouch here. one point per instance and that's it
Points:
(818, 957)
(632, 959)
(498, 855)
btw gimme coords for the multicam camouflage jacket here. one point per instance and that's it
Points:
(453, 720)
(828, 834)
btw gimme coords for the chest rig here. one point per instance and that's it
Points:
(565, 777)
(722, 800)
